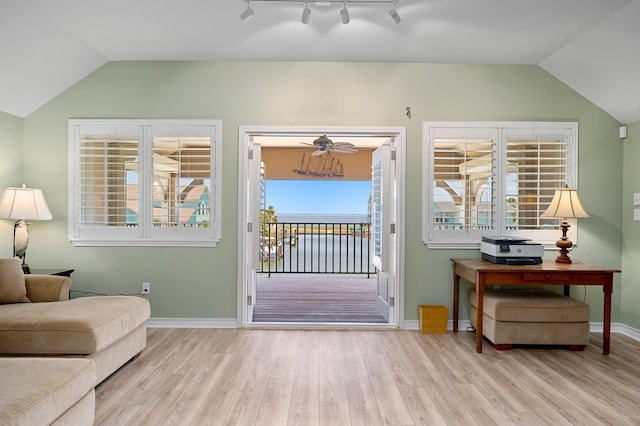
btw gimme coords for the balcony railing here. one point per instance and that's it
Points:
(315, 248)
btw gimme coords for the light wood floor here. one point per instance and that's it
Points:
(333, 377)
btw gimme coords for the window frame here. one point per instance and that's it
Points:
(144, 234)
(470, 239)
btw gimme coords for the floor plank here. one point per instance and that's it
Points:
(319, 298)
(366, 377)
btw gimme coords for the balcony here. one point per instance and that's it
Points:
(315, 248)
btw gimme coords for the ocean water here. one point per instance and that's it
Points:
(336, 249)
(322, 218)
(321, 254)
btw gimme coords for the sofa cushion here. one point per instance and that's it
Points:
(40, 390)
(12, 287)
(80, 326)
(531, 306)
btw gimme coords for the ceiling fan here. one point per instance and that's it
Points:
(323, 145)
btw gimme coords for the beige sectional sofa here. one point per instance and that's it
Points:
(47, 390)
(37, 319)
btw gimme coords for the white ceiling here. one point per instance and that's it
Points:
(593, 46)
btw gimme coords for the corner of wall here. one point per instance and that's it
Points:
(630, 292)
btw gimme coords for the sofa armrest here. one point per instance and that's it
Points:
(47, 288)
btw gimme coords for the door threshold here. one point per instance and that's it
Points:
(322, 326)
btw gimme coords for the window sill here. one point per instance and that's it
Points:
(141, 243)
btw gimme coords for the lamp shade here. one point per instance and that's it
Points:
(565, 204)
(24, 204)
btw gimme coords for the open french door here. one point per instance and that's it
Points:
(383, 226)
(388, 163)
(254, 193)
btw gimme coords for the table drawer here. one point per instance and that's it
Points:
(547, 276)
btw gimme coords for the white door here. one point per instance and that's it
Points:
(254, 196)
(383, 226)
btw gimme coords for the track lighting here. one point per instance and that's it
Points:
(248, 13)
(306, 13)
(393, 13)
(344, 14)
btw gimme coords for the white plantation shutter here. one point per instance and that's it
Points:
(102, 200)
(381, 196)
(181, 181)
(144, 182)
(539, 159)
(461, 182)
(489, 178)
(376, 214)
(176, 177)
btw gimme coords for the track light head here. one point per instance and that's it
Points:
(248, 13)
(393, 13)
(344, 14)
(306, 14)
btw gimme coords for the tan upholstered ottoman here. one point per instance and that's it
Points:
(532, 317)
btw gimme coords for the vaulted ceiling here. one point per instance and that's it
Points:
(592, 46)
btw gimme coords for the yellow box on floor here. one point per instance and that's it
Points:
(433, 319)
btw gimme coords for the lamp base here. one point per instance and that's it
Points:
(564, 244)
(26, 269)
(563, 258)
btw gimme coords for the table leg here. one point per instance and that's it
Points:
(606, 331)
(479, 310)
(456, 300)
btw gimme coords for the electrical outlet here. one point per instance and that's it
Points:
(636, 215)
(636, 199)
(146, 288)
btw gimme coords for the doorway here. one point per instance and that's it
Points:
(387, 211)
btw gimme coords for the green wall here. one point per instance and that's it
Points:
(10, 171)
(630, 313)
(11, 147)
(201, 282)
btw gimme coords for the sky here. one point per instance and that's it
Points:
(318, 196)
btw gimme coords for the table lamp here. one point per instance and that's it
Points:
(565, 205)
(23, 204)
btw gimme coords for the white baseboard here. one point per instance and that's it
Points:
(634, 333)
(233, 323)
(415, 325)
(595, 327)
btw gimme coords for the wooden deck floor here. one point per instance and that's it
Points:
(317, 299)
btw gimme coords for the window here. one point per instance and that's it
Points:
(494, 179)
(144, 182)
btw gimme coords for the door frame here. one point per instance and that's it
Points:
(245, 137)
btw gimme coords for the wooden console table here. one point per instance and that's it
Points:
(483, 273)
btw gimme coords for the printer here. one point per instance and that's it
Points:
(511, 250)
